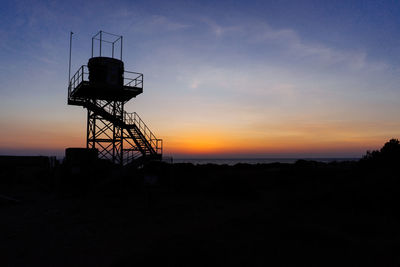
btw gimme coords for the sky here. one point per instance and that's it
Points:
(222, 79)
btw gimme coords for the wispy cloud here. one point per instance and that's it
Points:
(218, 29)
(352, 58)
(153, 24)
(290, 43)
(166, 23)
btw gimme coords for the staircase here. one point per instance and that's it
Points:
(145, 144)
(144, 139)
(142, 143)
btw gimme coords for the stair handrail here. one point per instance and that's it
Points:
(134, 119)
(108, 108)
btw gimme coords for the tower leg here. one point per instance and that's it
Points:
(105, 135)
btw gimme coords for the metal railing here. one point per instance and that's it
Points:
(133, 118)
(81, 75)
(133, 79)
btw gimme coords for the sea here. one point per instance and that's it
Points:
(257, 160)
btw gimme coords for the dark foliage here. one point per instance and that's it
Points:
(388, 155)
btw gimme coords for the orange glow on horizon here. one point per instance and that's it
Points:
(208, 144)
(230, 141)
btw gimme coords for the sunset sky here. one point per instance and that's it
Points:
(222, 78)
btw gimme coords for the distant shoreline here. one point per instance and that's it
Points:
(223, 161)
(233, 161)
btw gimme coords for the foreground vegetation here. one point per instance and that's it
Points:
(308, 213)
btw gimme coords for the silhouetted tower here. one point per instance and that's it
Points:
(103, 87)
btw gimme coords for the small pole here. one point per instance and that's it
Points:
(70, 52)
(100, 43)
(121, 48)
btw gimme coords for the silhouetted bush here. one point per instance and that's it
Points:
(388, 155)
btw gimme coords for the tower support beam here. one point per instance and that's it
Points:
(105, 135)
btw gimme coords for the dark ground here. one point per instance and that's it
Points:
(302, 214)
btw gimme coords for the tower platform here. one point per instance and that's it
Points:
(82, 87)
(85, 90)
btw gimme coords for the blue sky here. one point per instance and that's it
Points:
(246, 78)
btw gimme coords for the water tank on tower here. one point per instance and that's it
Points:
(106, 74)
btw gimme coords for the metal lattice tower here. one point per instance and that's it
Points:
(103, 87)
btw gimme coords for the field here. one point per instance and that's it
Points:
(307, 213)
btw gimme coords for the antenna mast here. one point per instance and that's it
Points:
(70, 49)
